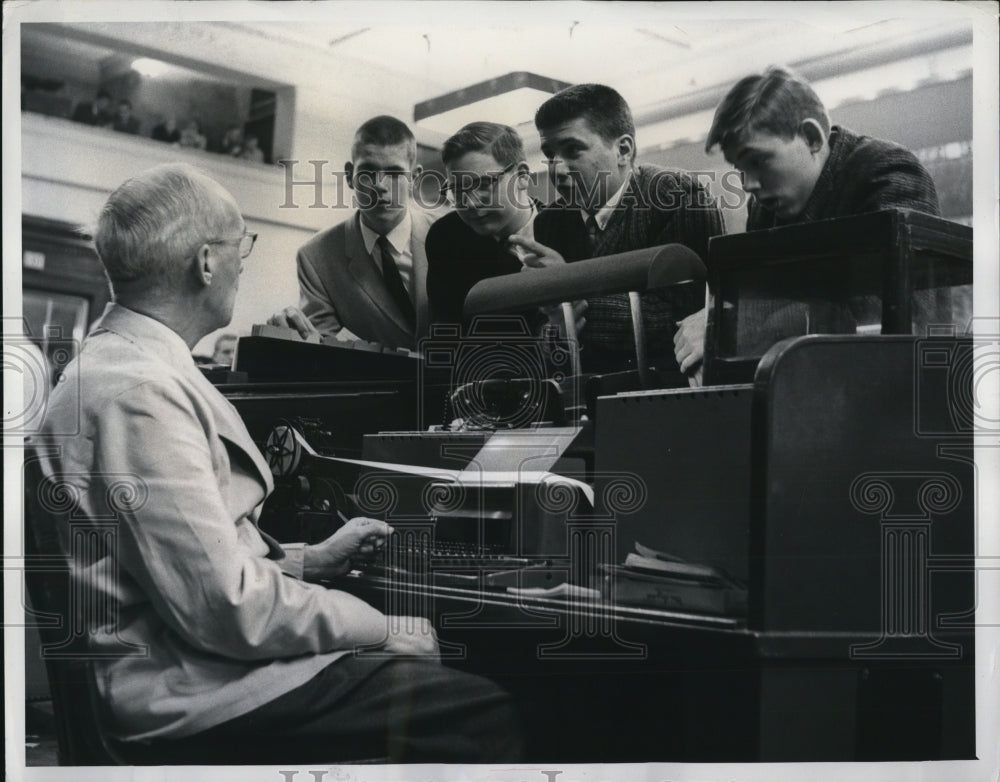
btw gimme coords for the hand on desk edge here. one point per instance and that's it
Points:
(412, 636)
(689, 341)
(293, 318)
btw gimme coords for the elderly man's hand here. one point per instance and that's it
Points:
(332, 557)
(412, 636)
(689, 341)
(293, 318)
(535, 255)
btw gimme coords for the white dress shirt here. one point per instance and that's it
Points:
(603, 215)
(399, 240)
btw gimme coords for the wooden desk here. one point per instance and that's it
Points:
(604, 683)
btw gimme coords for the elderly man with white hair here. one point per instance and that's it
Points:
(214, 630)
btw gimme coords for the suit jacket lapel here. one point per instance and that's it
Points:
(142, 331)
(635, 194)
(231, 428)
(367, 277)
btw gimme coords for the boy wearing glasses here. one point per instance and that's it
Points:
(487, 182)
(366, 277)
(607, 205)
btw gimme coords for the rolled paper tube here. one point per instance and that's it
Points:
(638, 270)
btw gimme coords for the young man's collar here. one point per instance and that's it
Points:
(824, 181)
(604, 214)
(399, 237)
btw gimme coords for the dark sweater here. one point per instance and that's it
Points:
(659, 207)
(458, 258)
(861, 175)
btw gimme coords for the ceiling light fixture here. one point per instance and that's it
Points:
(150, 67)
(511, 99)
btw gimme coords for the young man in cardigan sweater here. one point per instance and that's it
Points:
(609, 205)
(797, 168)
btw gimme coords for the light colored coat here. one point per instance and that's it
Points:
(199, 617)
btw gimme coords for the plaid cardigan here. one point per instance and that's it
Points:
(658, 207)
(861, 175)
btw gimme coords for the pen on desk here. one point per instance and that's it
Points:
(345, 520)
(377, 542)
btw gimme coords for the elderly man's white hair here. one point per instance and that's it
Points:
(155, 221)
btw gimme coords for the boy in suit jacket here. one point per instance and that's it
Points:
(367, 277)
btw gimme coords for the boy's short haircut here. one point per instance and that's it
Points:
(604, 109)
(385, 131)
(500, 141)
(775, 102)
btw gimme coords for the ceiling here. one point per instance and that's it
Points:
(649, 59)
(667, 60)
